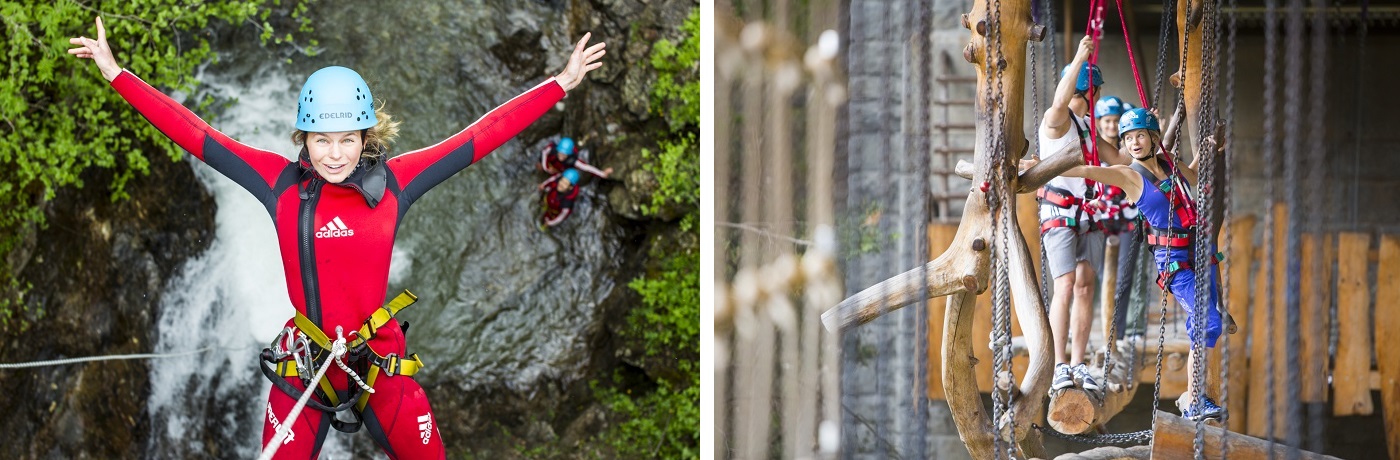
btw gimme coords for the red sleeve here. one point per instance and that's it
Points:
(254, 169)
(420, 170)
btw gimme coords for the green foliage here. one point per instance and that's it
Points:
(671, 317)
(59, 117)
(661, 424)
(676, 97)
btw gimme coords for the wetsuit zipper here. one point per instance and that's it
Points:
(306, 228)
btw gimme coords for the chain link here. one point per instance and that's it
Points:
(1270, 168)
(1136, 437)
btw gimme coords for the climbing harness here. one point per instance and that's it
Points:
(296, 351)
(336, 352)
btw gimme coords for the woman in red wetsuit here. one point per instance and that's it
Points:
(336, 211)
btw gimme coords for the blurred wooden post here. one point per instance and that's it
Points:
(1314, 299)
(1350, 377)
(1388, 340)
(1241, 234)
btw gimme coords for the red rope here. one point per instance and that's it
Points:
(1142, 95)
(1094, 29)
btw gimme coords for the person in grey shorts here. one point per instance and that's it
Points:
(1073, 241)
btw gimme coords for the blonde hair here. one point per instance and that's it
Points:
(376, 138)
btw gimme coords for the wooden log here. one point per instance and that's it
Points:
(1388, 341)
(1174, 437)
(1035, 176)
(1351, 390)
(940, 237)
(1237, 263)
(1072, 410)
(1075, 411)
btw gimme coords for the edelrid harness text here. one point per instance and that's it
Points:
(277, 426)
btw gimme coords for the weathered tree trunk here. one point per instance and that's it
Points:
(1075, 411)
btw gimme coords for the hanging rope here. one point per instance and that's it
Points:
(89, 359)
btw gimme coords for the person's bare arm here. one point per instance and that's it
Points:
(1122, 177)
(1055, 117)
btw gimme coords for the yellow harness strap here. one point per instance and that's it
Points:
(366, 331)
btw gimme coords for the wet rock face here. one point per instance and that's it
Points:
(97, 273)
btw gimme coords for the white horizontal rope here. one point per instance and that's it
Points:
(60, 362)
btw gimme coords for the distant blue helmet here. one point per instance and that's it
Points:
(335, 99)
(1136, 119)
(571, 175)
(566, 146)
(1110, 106)
(1082, 83)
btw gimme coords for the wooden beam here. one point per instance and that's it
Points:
(1350, 385)
(1174, 438)
(1262, 354)
(1108, 276)
(1388, 341)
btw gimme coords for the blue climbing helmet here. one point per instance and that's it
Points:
(1082, 83)
(335, 99)
(1135, 119)
(1110, 106)
(571, 175)
(566, 146)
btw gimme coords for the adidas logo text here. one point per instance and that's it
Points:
(425, 427)
(334, 229)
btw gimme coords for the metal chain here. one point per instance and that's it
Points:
(1166, 28)
(1270, 168)
(1004, 169)
(1226, 286)
(1317, 174)
(1002, 441)
(1205, 159)
(1293, 117)
(1136, 437)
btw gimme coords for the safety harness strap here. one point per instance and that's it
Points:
(367, 329)
(1057, 196)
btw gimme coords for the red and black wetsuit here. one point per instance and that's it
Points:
(336, 242)
(557, 205)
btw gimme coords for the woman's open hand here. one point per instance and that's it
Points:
(98, 51)
(580, 62)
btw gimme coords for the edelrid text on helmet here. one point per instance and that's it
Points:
(1135, 119)
(571, 175)
(335, 99)
(1110, 106)
(566, 146)
(1082, 82)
